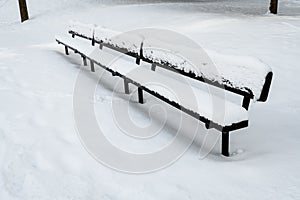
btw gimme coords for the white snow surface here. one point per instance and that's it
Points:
(41, 156)
(244, 73)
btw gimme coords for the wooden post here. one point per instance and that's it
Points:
(274, 6)
(23, 10)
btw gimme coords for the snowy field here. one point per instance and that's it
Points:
(41, 156)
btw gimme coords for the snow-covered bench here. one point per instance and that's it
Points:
(251, 83)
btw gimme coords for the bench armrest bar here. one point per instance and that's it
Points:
(266, 89)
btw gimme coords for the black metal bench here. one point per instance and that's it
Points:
(246, 93)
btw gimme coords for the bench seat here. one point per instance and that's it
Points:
(218, 110)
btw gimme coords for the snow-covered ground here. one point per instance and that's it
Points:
(41, 156)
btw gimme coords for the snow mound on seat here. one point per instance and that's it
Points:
(86, 30)
(242, 72)
(130, 42)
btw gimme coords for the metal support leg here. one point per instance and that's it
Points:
(93, 42)
(92, 66)
(66, 50)
(139, 57)
(84, 60)
(138, 61)
(126, 86)
(73, 35)
(141, 99)
(207, 125)
(153, 67)
(225, 143)
(101, 46)
(246, 103)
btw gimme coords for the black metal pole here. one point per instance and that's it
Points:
(23, 10)
(225, 143)
(246, 103)
(92, 66)
(84, 60)
(66, 50)
(126, 86)
(141, 99)
(153, 67)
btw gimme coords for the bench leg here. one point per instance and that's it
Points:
(84, 60)
(66, 50)
(138, 60)
(93, 42)
(246, 103)
(225, 143)
(153, 67)
(92, 66)
(126, 86)
(140, 92)
(207, 125)
(101, 46)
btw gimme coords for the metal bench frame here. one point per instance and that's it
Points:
(225, 130)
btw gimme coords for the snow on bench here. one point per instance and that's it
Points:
(244, 76)
(127, 42)
(203, 106)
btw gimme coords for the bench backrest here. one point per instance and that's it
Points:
(245, 76)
